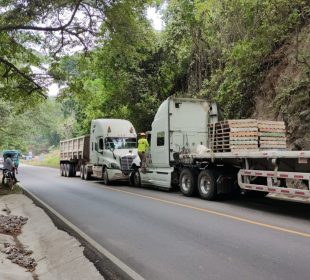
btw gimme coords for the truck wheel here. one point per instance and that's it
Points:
(61, 169)
(71, 170)
(188, 182)
(66, 170)
(136, 178)
(86, 173)
(207, 185)
(105, 176)
(82, 171)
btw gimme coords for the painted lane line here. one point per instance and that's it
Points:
(125, 268)
(205, 210)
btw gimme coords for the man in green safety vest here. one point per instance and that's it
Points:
(143, 145)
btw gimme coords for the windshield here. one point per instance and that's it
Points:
(120, 143)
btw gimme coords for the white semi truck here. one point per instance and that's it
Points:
(179, 156)
(107, 153)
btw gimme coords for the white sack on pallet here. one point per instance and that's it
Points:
(202, 149)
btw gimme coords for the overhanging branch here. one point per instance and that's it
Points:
(37, 87)
(41, 28)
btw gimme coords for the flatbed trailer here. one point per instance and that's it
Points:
(275, 166)
(185, 152)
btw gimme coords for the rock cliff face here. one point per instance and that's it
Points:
(285, 91)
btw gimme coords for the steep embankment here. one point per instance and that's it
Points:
(285, 91)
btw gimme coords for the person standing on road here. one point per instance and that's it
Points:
(143, 145)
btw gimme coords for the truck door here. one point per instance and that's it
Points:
(100, 151)
(159, 149)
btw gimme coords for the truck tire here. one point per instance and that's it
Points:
(207, 185)
(71, 170)
(188, 182)
(61, 169)
(82, 171)
(66, 170)
(105, 176)
(136, 178)
(86, 173)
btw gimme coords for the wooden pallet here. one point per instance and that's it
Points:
(235, 135)
(247, 134)
(270, 124)
(239, 150)
(272, 135)
(271, 129)
(267, 138)
(270, 146)
(273, 143)
(243, 134)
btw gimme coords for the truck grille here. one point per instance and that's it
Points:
(126, 163)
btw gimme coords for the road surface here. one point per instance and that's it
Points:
(163, 235)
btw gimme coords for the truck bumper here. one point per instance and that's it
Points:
(117, 175)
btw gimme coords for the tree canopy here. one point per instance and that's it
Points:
(110, 62)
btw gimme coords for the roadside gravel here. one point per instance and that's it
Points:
(33, 248)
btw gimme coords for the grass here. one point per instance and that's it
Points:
(50, 160)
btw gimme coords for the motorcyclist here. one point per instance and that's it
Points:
(8, 165)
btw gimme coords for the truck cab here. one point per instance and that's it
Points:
(106, 153)
(113, 145)
(180, 126)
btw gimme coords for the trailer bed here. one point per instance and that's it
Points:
(75, 149)
(284, 172)
(250, 154)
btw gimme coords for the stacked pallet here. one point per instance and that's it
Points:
(271, 135)
(233, 135)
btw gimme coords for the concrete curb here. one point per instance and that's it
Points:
(108, 265)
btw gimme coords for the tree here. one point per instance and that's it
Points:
(50, 27)
(120, 78)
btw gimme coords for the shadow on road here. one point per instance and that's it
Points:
(267, 204)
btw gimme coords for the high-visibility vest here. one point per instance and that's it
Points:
(143, 144)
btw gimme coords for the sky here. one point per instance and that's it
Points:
(153, 15)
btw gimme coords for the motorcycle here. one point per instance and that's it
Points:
(7, 178)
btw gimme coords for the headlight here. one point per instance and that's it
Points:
(115, 166)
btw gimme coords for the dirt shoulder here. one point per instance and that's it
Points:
(50, 253)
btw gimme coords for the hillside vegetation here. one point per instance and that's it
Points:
(251, 56)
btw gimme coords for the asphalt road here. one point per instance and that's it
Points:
(163, 235)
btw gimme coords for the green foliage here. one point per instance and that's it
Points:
(228, 43)
(121, 78)
(215, 49)
(294, 98)
(37, 128)
(51, 159)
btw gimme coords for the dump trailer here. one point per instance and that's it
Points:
(107, 153)
(189, 149)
